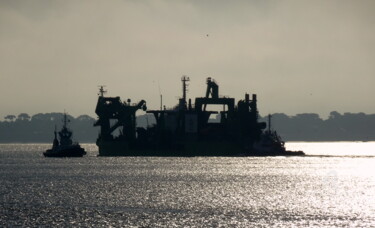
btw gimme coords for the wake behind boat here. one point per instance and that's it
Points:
(65, 147)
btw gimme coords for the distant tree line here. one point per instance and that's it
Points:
(40, 127)
(338, 127)
(301, 127)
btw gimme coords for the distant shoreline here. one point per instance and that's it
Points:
(305, 127)
(47, 143)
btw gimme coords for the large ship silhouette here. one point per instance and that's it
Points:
(185, 130)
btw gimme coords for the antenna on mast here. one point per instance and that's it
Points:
(161, 97)
(65, 120)
(102, 91)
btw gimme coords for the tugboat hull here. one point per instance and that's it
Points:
(72, 151)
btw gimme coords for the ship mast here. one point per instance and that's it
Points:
(161, 97)
(269, 122)
(65, 120)
(161, 102)
(184, 79)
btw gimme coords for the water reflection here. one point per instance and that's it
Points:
(158, 192)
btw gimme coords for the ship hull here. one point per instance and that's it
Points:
(278, 153)
(191, 149)
(70, 151)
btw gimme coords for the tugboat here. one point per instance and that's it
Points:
(271, 144)
(66, 147)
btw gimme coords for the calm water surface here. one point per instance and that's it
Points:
(333, 187)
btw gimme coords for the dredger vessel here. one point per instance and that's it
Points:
(186, 129)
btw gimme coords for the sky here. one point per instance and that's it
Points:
(298, 56)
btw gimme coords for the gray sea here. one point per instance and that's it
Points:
(332, 187)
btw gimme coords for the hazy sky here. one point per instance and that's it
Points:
(298, 56)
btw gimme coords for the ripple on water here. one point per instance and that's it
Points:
(237, 192)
